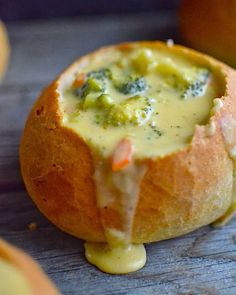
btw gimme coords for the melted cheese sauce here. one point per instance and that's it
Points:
(116, 260)
(118, 191)
(173, 120)
(12, 282)
(167, 128)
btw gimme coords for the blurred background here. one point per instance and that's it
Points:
(47, 35)
(31, 9)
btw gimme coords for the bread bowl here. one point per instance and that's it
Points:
(107, 158)
(4, 50)
(21, 275)
(210, 26)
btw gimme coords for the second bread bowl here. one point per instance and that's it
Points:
(210, 26)
(21, 275)
(4, 49)
(134, 143)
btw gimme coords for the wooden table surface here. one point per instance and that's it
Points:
(203, 262)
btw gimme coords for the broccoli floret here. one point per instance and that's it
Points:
(133, 86)
(91, 85)
(143, 61)
(101, 74)
(135, 111)
(198, 86)
(96, 82)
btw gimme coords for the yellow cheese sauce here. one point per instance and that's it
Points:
(154, 99)
(12, 281)
(172, 119)
(116, 260)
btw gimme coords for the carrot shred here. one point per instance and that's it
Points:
(122, 155)
(79, 80)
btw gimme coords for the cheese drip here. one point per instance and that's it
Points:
(116, 260)
(117, 192)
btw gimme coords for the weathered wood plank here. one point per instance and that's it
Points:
(15, 104)
(10, 179)
(202, 262)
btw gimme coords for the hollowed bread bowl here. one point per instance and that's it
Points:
(210, 26)
(21, 275)
(180, 190)
(4, 50)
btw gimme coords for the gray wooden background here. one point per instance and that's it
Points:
(28, 9)
(203, 262)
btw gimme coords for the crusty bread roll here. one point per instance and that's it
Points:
(179, 191)
(210, 26)
(24, 273)
(4, 50)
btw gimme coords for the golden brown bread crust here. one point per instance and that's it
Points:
(179, 193)
(39, 282)
(210, 26)
(4, 50)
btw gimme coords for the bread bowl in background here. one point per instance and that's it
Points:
(21, 275)
(4, 50)
(177, 191)
(210, 26)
